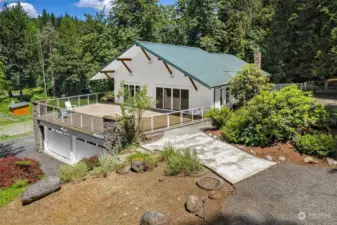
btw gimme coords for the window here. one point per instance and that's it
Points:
(133, 89)
(172, 99)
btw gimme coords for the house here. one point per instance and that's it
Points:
(177, 77)
(185, 82)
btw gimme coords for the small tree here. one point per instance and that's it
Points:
(133, 108)
(248, 83)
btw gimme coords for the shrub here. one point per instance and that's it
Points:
(248, 83)
(184, 162)
(108, 162)
(91, 162)
(98, 171)
(20, 183)
(73, 173)
(166, 153)
(331, 120)
(218, 116)
(274, 116)
(138, 155)
(11, 170)
(123, 165)
(150, 163)
(315, 144)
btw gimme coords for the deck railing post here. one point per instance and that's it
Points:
(78, 101)
(96, 98)
(88, 100)
(58, 103)
(81, 121)
(152, 123)
(168, 120)
(53, 114)
(192, 114)
(181, 118)
(202, 113)
(71, 118)
(92, 123)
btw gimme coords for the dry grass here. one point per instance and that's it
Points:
(117, 199)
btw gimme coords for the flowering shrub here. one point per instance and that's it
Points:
(13, 168)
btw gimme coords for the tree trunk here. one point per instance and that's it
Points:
(10, 94)
(21, 95)
(43, 72)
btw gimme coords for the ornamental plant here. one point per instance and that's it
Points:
(218, 116)
(315, 144)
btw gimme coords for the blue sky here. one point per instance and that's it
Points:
(59, 7)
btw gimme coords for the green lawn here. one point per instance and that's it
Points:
(9, 194)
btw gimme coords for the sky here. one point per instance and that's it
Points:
(60, 7)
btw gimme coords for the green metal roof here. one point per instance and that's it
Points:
(209, 69)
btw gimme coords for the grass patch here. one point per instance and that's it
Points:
(9, 194)
(73, 173)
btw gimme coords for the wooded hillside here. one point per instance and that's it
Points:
(297, 38)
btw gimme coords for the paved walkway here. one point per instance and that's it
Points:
(228, 161)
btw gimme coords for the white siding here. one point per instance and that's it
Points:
(154, 74)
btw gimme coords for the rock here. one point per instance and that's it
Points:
(214, 195)
(155, 218)
(137, 166)
(214, 136)
(268, 157)
(193, 203)
(252, 152)
(210, 134)
(331, 162)
(161, 179)
(124, 170)
(41, 189)
(281, 158)
(310, 160)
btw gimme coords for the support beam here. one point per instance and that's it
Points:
(124, 59)
(168, 68)
(195, 87)
(147, 56)
(106, 74)
(108, 71)
(126, 66)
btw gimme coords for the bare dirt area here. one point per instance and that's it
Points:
(116, 199)
(286, 150)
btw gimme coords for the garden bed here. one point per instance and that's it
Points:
(286, 150)
(117, 199)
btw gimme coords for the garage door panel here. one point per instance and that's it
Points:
(86, 149)
(59, 143)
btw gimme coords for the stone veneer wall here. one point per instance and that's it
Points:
(38, 130)
(112, 133)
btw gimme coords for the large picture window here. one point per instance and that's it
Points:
(172, 98)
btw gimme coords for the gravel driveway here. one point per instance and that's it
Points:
(25, 147)
(278, 195)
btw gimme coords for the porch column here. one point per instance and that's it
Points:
(112, 134)
(38, 129)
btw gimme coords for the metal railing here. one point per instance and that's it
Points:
(78, 100)
(71, 118)
(16, 129)
(174, 119)
(301, 86)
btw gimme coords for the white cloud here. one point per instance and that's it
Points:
(29, 8)
(96, 4)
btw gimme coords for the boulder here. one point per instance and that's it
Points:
(41, 189)
(124, 170)
(269, 158)
(281, 158)
(161, 179)
(214, 195)
(137, 166)
(331, 162)
(193, 203)
(310, 160)
(155, 218)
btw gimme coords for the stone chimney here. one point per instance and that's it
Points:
(257, 59)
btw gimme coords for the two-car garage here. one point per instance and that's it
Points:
(69, 146)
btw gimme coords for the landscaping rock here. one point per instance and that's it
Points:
(331, 162)
(155, 218)
(310, 160)
(214, 195)
(161, 179)
(137, 166)
(269, 158)
(124, 170)
(41, 189)
(193, 203)
(281, 158)
(252, 152)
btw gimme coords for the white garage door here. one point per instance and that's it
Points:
(85, 149)
(59, 143)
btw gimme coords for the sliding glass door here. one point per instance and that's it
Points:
(172, 98)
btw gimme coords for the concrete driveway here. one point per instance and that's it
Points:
(226, 160)
(25, 147)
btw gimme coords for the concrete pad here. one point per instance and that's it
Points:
(228, 161)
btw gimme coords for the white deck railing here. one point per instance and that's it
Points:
(78, 100)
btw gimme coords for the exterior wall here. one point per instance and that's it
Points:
(154, 74)
(38, 129)
(20, 111)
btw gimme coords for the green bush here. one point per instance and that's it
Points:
(138, 155)
(72, 173)
(184, 162)
(218, 116)
(331, 120)
(274, 116)
(98, 171)
(108, 162)
(150, 163)
(315, 144)
(166, 153)
(91, 162)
